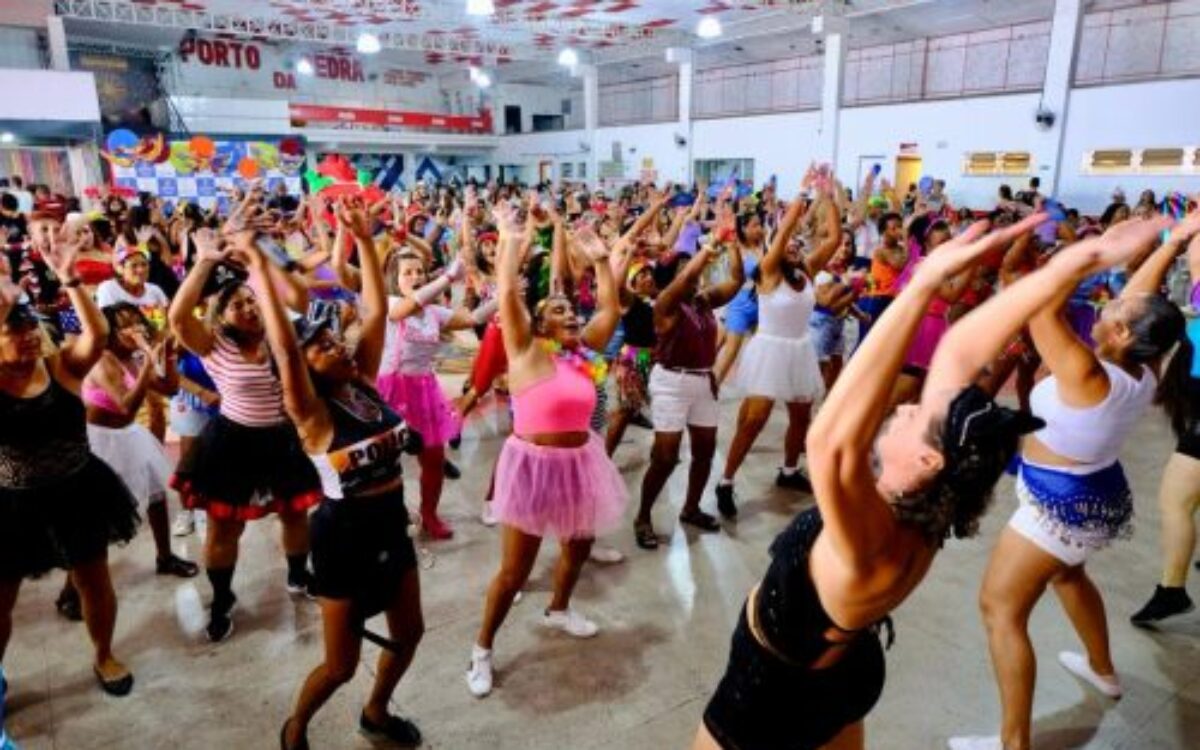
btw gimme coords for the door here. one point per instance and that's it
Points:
(865, 165)
(908, 172)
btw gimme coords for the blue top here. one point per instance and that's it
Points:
(192, 368)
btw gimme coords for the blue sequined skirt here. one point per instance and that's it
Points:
(1090, 510)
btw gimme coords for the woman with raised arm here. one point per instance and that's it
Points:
(553, 477)
(683, 387)
(1074, 498)
(407, 382)
(363, 557)
(247, 463)
(780, 362)
(741, 315)
(1179, 493)
(806, 665)
(60, 505)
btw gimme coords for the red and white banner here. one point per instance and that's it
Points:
(309, 113)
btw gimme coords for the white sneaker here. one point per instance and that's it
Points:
(479, 676)
(570, 622)
(486, 516)
(185, 524)
(975, 743)
(605, 555)
(1077, 664)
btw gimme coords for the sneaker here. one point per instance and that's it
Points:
(793, 481)
(300, 584)
(450, 471)
(1167, 601)
(1077, 664)
(176, 566)
(486, 516)
(220, 620)
(185, 524)
(605, 555)
(479, 674)
(69, 606)
(400, 732)
(725, 500)
(570, 622)
(975, 743)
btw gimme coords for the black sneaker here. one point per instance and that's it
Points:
(300, 584)
(1166, 602)
(456, 441)
(725, 501)
(401, 732)
(450, 471)
(794, 481)
(220, 620)
(69, 606)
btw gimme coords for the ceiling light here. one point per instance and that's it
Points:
(7, 137)
(304, 67)
(368, 44)
(708, 28)
(480, 78)
(480, 7)
(568, 57)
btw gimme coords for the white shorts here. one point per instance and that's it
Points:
(186, 421)
(1026, 521)
(681, 399)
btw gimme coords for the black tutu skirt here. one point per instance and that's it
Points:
(234, 472)
(361, 550)
(66, 523)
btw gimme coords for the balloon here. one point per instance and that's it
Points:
(248, 168)
(875, 170)
(364, 178)
(925, 185)
(202, 147)
(316, 183)
(291, 146)
(122, 139)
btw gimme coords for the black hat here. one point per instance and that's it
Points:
(321, 315)
(23, 314)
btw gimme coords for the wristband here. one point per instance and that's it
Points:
(73, 283)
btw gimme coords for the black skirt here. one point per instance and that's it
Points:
(241, 473)
(66, 523)
(763, 703)
(361, 550)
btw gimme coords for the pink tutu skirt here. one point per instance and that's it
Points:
(929, 334)
(568, 493)
(419, 399)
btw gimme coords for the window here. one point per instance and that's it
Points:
(544, 123)
(566, 170)
(1109, 160)
(1168, 159)
(997, 163)
(583, 170)
(716, 171)
(1156, 160)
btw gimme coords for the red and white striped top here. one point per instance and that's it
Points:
(251, 393)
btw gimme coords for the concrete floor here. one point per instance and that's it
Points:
(642, 683)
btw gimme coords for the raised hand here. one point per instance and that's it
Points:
(208, 246)
(1120, 244)
(144, 234)
(353, 215)
(61, 255)
(589, 244)
(959, 253)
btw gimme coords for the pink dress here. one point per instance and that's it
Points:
(406, 379)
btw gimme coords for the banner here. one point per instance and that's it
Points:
(310, 113)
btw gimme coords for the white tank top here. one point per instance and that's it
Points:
(1093, 435)
(784, 312)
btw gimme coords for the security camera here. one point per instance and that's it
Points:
(680, 141)
(1044, 119)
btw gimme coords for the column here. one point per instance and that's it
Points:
(1065, 31)
(684, 59)
(831, 88)
(591, 117)
(56, 36)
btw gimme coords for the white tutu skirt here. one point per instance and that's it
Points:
(784, 369)
(136, 456)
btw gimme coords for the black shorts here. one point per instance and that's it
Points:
(64, 524)
(361, 550)
(234, 472)
(763, 703)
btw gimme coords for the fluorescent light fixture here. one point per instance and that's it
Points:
(480, 7)
(7, 137)
(304, 67)
(568, 57)
(708, 28)
(480, 78)
(368, 44)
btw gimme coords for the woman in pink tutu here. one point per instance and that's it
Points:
(553, 477)
(416, 321)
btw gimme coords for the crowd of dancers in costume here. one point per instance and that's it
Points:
(291, 346)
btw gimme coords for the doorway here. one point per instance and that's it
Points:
(908, 172)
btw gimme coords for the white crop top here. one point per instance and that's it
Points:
(784, 312)
(410, 345)
(1093, 435)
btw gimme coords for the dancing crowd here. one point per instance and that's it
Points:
(290, 345)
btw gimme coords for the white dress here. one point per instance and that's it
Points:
(780, 360)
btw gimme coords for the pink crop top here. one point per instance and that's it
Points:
(563, 402)
(94, 395)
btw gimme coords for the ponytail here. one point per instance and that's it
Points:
(1175, 391)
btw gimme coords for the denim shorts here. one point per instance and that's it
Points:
(829, 335)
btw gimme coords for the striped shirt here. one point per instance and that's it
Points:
(251, 394)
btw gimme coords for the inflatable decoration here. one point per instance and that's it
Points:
(336, 177)
(248, 168)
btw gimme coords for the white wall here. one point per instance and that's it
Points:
(781, 145)
(1143, 115)
(944, 132)
(641, 142)
(537, 100)
(25, 96)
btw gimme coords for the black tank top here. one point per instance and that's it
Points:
(639, 324)
(788, 610)
(42, 439)
(364, 456)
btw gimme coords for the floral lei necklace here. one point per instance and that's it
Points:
(583, 359)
